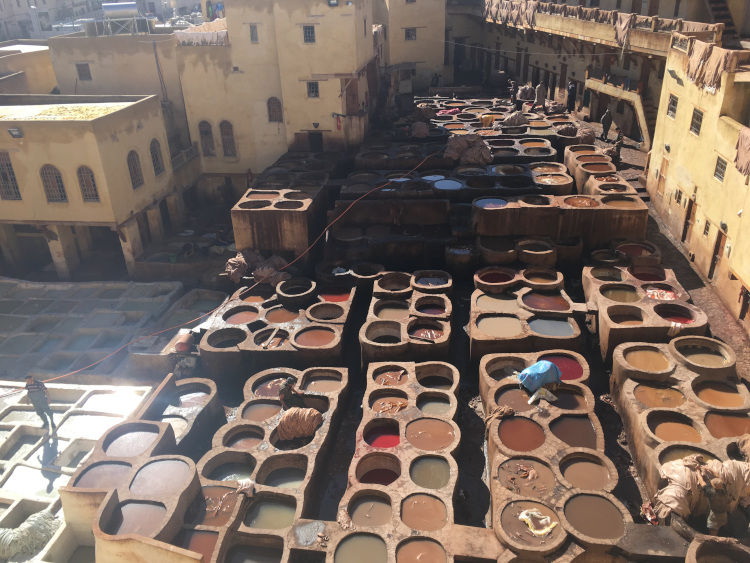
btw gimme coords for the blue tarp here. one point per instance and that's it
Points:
(541, 373)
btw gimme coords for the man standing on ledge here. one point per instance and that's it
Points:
(39, 398)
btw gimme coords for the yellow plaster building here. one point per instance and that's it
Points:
(692, 179)
(26, 68)
(74, 169)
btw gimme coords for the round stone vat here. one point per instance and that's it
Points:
(581, 201)
(500, 368)
(322, 380)
(623, 315)
(424, 512)
(701, 354)
(491, 202)
(513, 527)
(647, 359)
(260, 410)
(498, 303)
(270, 511)
(314, 337)
(621, 293)
(594, 518)
(675, 313)
(495, 279)
(363, 548)
(536, 200)
(430, 434)
(370, 508)
(391, 309)
(520, 434)
(606, 274)
(130, 440)
(721, 394)
(588, 471)
(499, 326)
(635, 248)
(285, 471)
(575, 431)
(296, 293)
(213, 506)
(497, 250)
(431, 281)
(244, 437)
(513, 396)
(387, 401)
(378, 469)
(142, 518)
(514, 475)
(425, 330)
(384, 333)
(547, 168)
(281, 315)
(268, 386)
(536, 252)
(509, 170)
(542, 278)
(656, 396)
(551, 327)
(434, 376)
(419, 550)
(161, 478)
(570, 368)
(660, 292)
(707, 550)
(675, 452)
(226, 338)
(430, 472)
(257, 294)
(254, 204)
(431, 306)
(721, 425)
(648, 273)
(622, 202)
(289, 204)
(382, 433)
(670, 426)
(104, 475)
(230, 466)
(326, 312)
(240, 315)
(606, 257)
(390, 375)
(394, 283)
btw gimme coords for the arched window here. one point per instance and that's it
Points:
(134, 167)
(88, 184)
(156, 157)
(207, 138)
(227, 139)
(52, 181)
(8, 183)
(275, 113)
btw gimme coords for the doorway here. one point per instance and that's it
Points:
(165, 218)
(721, 242)
(636, 6)
(315, 140)
(689, 220)
(653, 8)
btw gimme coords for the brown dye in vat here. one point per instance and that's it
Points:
(103, 476)
(379, 477)
(198, 541)
(495, 277)
(569, 400)
(534, 143)
(431, 309)
(370, 510)
(621, 204)
(727, 425)
(593, 167)
(424, 512)
(576, 431)
(719, 394)
(315, 337)
(362, 548)
(547, 168)
(501, 303)
(131, 444)
(647, 360)
(253, 554)
(520, 434)
(213, 507)
(245, 441)
(626, 319)
(420, 551)
(269, 388)
(519, 531)
(270, 514)
(718, 553)
(281, 315)
(517, 399)
(323, 384)
(500, 327)
(391, 377)
(425, 333)
(516, 475)
(585, 473)
(539, 277)
(393, 312)
(578, 201)
(595, 516)
(551, 179)
(654, 396)
(681, 452)
(703, 356)
(389, 404)
(254, 298)
(429, 434)
(430, 472)
(621, 294)
(545, 301)
(262, 195)
(672, 431)
(435, 381)
(260, 411)
(241, 318)
(161, 478)
(140, 518)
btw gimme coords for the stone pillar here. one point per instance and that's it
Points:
(155, 225)
(176, 207)
(85, 242)
(63, 250)
(9, 246)
(132, 246)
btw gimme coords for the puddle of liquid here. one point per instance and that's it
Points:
(131, 444)
(270, 514)
(595, 516)
(576, 431)
(285, 478)
(370, 510)
(140, 518)
(671, 431)
(161, 478)
(424, 512)
(362, 548)
(521, 434)
(719, 394)
(552, 327)
(429, 434)
(655, 396)
(585, 473)
(647, 360)
(420, 551)
(500, 327)
(727, 425)
(213, 507)
(516, 476)
(519, 531)
(430, 472)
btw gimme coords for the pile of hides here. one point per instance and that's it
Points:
(742, 160)
(30, 537)
(516, 118)
(568, 130)
(269, 272)
(554, 107)
(420, 130)
(298, 423)
(586, 136)
(622, 28)
(468, 149)
(684, 494)
(526, 93)
(424, 113)
(238, 266)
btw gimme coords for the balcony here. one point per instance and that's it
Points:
(465, 7)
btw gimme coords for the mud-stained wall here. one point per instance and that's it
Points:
(37, 65)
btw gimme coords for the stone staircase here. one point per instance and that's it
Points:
(720, 13)
(651, 112)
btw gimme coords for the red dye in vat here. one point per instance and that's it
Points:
(570, 368)
(676, 317)
(335, 297)
(495, 277)
(633, 249)
(431, 310)
(379, 477)
(382, 438)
